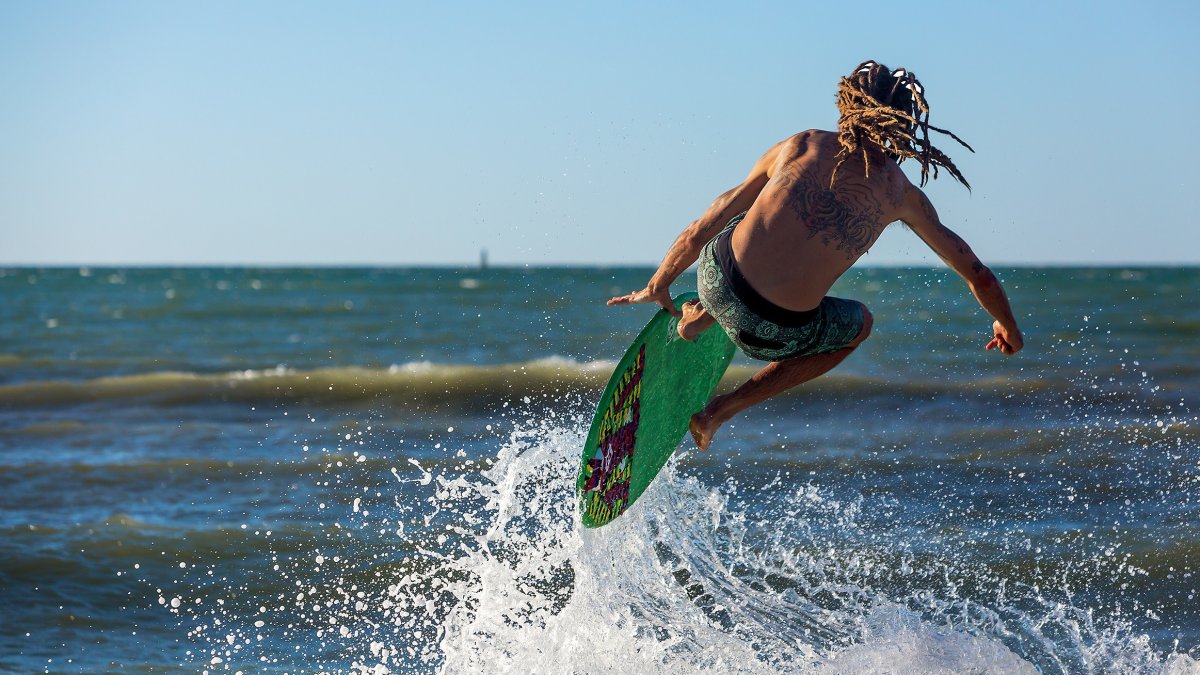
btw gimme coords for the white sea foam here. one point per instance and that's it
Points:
(547, 362)
(412, 367)
(894, 640)
(503, 578)
(669, 588)
(250, 374)
(566, 363)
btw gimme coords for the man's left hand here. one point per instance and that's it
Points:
(662, 296)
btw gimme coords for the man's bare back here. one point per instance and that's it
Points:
(803, 232)
(770, 248)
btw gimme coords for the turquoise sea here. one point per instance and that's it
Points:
(321, 470)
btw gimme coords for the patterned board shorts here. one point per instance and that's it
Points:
(763, 330)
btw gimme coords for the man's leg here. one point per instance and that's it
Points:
(774, 379)
(695, 320)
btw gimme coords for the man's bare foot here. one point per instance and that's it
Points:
(703, 425)
(695, 320)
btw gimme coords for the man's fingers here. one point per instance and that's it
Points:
(999, 343)
(644, 296)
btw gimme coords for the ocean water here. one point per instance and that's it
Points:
(372, 470)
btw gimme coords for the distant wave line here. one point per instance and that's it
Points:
(432, 383)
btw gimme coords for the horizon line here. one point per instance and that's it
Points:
(538, 265)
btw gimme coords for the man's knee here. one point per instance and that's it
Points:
(868, 323)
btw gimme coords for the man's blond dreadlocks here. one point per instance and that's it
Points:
(888, 108)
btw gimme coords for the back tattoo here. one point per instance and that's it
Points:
(846, 216)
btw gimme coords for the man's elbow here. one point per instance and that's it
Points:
(982, 279)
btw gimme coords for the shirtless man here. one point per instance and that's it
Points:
(771, 248)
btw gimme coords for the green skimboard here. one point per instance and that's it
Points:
(653, 392)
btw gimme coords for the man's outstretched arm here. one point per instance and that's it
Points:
(688, 244)
(919, 214)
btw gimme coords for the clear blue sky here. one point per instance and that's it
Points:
(566, 132)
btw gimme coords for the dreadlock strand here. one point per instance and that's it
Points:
(952, 135)
(949, 166)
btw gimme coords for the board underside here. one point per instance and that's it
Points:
(653, 392)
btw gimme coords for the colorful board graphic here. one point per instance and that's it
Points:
(655, 389)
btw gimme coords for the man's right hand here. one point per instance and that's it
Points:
(662, 296)
(1006, 340)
